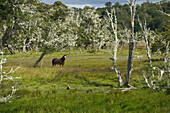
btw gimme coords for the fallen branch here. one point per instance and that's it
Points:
(5, 99)
(122, 89)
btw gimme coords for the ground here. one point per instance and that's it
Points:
(93, 85)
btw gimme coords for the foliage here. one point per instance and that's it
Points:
(32, 25)
(160, 41)
(149, 11)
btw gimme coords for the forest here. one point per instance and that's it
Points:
(114, 58)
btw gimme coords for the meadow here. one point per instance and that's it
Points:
(94, 87)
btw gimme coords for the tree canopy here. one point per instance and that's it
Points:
(29, 24)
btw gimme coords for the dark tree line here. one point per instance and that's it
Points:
(149, 11)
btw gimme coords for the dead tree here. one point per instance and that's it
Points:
(5, 76)
(42, 55)
(160, 72)
(116, 43)
(132, 5)
(146, 33)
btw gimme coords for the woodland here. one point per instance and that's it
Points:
(116, 57)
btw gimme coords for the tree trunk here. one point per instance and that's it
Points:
(166, 59)
(145, 32)
(129, 64)
(36, 49)
(116, 43)
(131, 44)
(100, 45)
(120, 81)
(24, 47)
(119, 76)
(166, 52)
(81, 50)
(0, 44)
(69, 49)
(10, 49)
(42, 55)
(148, 53)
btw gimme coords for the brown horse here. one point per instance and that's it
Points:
(60, 61)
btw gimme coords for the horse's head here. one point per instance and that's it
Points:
(64, 56)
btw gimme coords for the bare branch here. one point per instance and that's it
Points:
(164, 13)
(6, 76)
(146, 80)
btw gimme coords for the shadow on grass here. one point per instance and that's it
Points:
(97, 84)
(154, 60)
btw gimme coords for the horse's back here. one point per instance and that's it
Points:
(55, 61)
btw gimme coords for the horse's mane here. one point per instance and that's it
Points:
(63, 58)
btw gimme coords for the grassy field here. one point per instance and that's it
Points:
(44, 88)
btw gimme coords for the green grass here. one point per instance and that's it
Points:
(43, 89)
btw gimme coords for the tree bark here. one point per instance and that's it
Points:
(166, 59)
(119, 76)
(145, 32)
(36, 49)
(100, 45)
(0, 44)
(116, 43)
(42, 55)
(166, 52)
(131, 44)
(24, 46)
(10, 49)
(129, 64)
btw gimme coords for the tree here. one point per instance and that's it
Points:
(11, 12)
(160, 44)
(91, 29)
(132, 5)
(116, 43)
(108, 4)
(47, 27)
(147, 34)
(4, 76)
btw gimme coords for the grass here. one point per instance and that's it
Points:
(43, 89)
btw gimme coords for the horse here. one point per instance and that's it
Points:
(60, 61)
